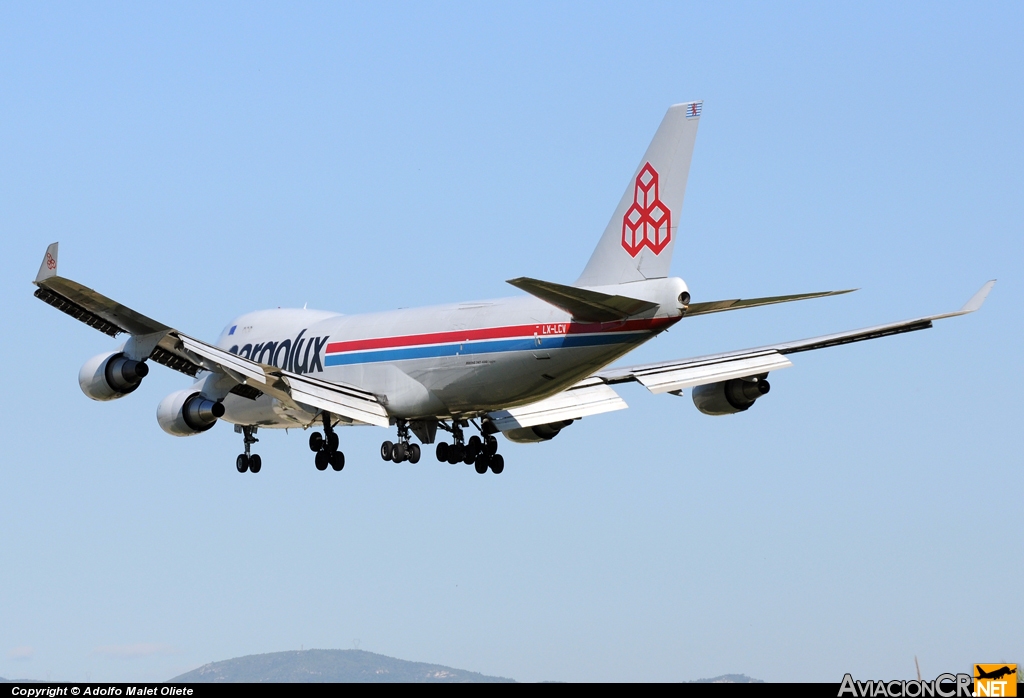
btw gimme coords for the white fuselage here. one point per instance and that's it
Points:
(446, 361)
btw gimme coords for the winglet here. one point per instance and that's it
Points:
(978, 298)
(49, 266)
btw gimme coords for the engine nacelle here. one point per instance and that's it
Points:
(187, 412)
(729, 397)
(541, 432)
(111, 375)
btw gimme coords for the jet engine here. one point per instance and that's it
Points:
(111, 375)
(729, 397)
(541, 432)
(187, 412)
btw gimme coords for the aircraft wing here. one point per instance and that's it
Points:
(165, 345)
(336, 398)
(672, 376)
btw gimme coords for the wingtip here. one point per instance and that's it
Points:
(48, 267)
(978, 298)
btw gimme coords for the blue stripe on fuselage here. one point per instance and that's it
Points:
(486, 347)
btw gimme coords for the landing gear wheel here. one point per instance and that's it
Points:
(469, 458)
(387, 450)
(242, 462)
(497, 464)
(316, 441)
(414, 453)
(491, 445)
(399, 452)
(255, 463)
(332, 441)
(481, 464)
(441, 451)
(474, 447)
(322, 459)
(337, 460)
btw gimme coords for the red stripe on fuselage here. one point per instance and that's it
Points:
(540, 329)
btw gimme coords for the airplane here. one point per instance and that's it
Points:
(995, 673)
(525, 367)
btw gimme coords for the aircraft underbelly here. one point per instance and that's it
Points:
(266, 412)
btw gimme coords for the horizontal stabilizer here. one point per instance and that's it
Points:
(588, 397)
(738, 303)
(584, 305)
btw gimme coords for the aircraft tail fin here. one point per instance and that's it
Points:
(638, 242)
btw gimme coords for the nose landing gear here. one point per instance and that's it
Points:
(245, 461)
(326, 447)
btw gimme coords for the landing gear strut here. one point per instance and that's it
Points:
(403, 450)
(326, 447)
(245, 461)
(481, 453)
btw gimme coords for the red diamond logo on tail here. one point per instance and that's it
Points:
(648, 222)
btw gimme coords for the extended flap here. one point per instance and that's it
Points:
(664, 379)
(588, 397)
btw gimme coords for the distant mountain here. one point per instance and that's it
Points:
(729, 678)
(328, 666)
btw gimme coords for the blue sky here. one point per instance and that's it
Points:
(199, 161)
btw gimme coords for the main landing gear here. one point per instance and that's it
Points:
(245, 461)
(403, 450)
(481, 453)
(326, 447)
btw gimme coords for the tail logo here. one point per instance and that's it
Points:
(648, 222)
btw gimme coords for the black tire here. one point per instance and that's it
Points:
(255, 463)
(322, 460)
(337, 460)
(414, 453)
(458, 453)
(481, 464)
(332, 442)
(441, 451)
(497, 464)
(399, 453)
(316, 441)
(387, 450)
(469, 458)
(242, 463)
(474, 447)
(491, 445)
